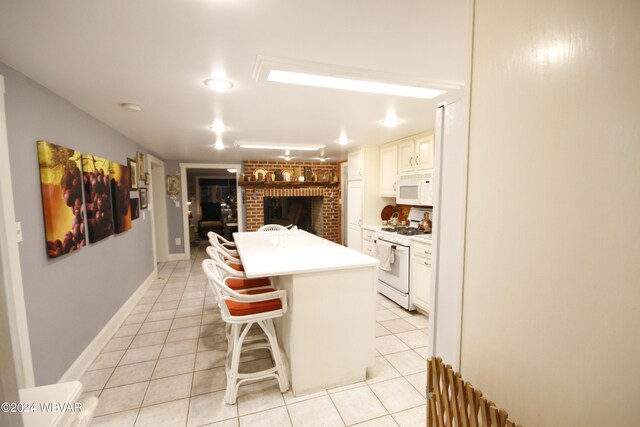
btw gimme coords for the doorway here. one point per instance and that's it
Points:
(230, 171)
(212, 204)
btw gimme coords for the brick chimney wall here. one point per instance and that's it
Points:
(331, 210)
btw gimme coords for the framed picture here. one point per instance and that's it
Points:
(143, 198)
(147, 178)
(61, 186)
(133, 172)
(135, 209)
(173, 185)
(140, 162)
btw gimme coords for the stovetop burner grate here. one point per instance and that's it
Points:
(405, 231)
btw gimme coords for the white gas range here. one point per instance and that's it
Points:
(395, 282)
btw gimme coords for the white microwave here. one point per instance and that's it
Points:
(415, 189)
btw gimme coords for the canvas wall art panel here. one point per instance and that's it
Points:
(97, 196)
(62, 204)
(120, 184)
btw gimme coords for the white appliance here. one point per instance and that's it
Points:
(415, 189)
(394, 284)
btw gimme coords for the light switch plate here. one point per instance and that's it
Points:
(178, 241)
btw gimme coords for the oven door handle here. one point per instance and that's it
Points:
(397, 248)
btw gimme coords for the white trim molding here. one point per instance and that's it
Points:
(177, 257)
(158, 209)
(80, 365)
(11, 268)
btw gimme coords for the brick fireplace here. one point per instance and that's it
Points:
(329, 211)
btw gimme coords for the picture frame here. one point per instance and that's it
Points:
(147, 178)
(173, 185)
(135, 208)
(133, 170)
(140, 164)
(143, 198)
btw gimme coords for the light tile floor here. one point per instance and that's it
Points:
(165, 367)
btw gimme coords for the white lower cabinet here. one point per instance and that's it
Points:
(421, 274)
(354, 237)
(368, 242)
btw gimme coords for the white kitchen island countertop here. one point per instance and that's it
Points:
(278, 253)
(328, 331)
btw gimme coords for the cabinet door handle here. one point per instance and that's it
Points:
(427, 252)
(411, 161)
(394, 186)
(360, 172)
(427, 263)
(417, 162)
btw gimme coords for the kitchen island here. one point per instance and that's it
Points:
(328, 333)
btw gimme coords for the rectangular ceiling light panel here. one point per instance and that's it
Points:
(270, 146)
(352, 84)
(316, 74)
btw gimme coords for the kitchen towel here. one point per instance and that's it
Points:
(385, 255)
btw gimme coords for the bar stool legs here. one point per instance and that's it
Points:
(235, 379)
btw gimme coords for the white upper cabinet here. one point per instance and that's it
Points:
(416, 154)
(356, 165)
(388, 170)
(424, 153)
(406, 156)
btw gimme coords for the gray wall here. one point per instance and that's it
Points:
(174, 214)
(68, 299)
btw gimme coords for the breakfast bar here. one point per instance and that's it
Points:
(328, 332)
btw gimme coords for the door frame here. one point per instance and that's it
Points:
(344, 200)
(455, 234)
(158, 211)
(10, 259)
(184, 197)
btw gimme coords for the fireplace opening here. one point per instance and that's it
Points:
(305, 212)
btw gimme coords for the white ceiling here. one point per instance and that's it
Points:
(98, 54)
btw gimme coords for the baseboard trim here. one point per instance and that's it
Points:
(177, 257)
(80, 365)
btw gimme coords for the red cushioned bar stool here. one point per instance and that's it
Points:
(242, 310)
(215, 251)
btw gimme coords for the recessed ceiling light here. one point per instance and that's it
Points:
(232, 170)
(391, 120)
(128, 106)
(343, 139)
(275, 146)
(219, 144)
(219, 85)
(218, 127)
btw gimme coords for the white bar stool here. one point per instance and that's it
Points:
(242, 310)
